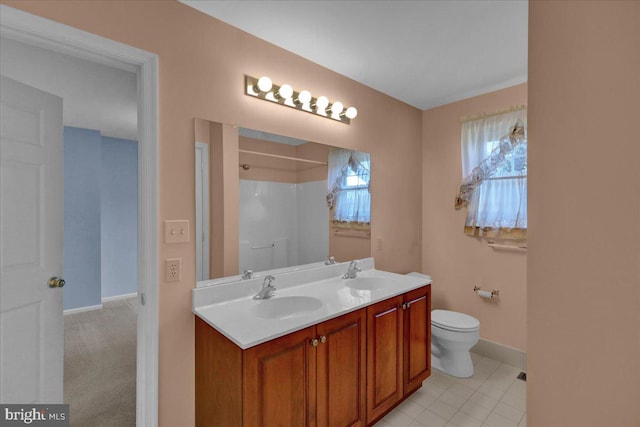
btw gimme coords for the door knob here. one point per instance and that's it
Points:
(56, 282)
(314, 342)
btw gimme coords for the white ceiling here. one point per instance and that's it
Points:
(425, 53)
(94, 96)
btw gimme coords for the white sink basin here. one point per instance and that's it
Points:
(367, 283)
(286, 307)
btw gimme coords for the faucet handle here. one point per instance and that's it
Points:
(248, 274)
(330, 260)
(267, 280)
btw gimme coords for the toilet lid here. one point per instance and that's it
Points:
(454, 321)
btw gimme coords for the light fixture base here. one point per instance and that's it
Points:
(251, 84)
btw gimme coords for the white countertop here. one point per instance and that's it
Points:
(232, 311)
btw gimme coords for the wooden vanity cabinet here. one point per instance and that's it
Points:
(314, 377)
(384, 356)
(398, 349)
(341, 371)
(279, 382)
(345, 372)
(417, 338)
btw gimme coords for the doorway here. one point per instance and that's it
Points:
(202, 211)
(28, 28)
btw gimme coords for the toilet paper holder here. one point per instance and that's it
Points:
(486, 294)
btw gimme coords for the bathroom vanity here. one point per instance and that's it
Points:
(323, 351)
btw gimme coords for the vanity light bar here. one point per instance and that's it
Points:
(263, 88)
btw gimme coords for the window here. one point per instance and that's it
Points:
(355, 180)
(349, 176)
(494, 187)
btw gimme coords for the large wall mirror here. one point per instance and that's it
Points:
(266, 201)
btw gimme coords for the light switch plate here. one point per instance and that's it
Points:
(176, 231)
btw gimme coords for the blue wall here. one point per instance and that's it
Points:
(119, 202)
(100, 217)
(81, 245)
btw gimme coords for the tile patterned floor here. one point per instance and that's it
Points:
(493, 397)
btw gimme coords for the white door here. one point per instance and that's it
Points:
(31, 226)
(202, 211)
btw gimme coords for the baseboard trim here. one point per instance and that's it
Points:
(509, 355)
(81, 309)
(119, 297)
(100, 306)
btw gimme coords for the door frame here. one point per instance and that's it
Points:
(202, 214)
(21, 26)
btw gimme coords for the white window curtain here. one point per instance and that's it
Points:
(348, 182)
(494, 171)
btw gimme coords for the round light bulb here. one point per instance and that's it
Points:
(322, 103)
(265, 84)
(351, 113)
(304, 97)
(285, 91)
(337, 107)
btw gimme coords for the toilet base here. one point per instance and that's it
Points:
(435, 364)
(461, 366)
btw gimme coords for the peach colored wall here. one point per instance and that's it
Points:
(346, 248)
(264, 168)
(584, 210)
(309, 171)
(225, 186)
(456, 261)
(201, 129)
(231, 200)
(222, 193)
(202, 65)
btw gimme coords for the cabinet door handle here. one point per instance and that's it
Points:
(404, 306)
(323, 339)
(314, 342)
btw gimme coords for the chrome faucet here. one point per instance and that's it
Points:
(267, 290)
(331, 260)
(353, 270)
(248, 274)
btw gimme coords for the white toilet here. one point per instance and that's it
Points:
(452, 336)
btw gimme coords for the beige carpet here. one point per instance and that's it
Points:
(100, 365)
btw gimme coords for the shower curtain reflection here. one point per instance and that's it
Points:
(283, 217)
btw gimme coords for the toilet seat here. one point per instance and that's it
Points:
(454, 321)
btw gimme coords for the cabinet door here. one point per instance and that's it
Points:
(279, 382)
(218, 378)
(384, 356)
(417, 337)
(341, 369)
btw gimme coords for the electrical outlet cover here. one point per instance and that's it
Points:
(173, 269)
